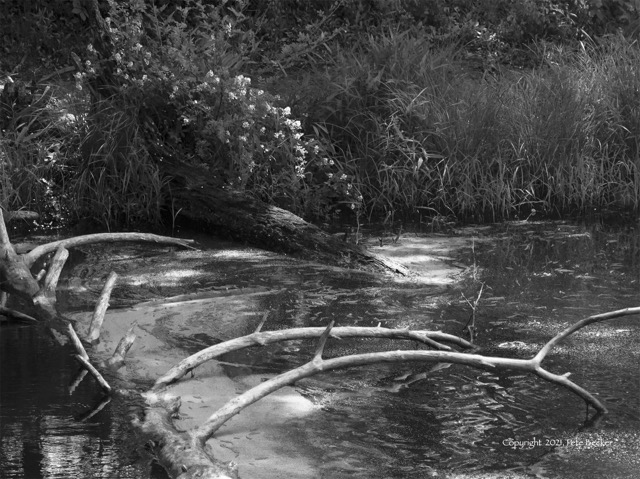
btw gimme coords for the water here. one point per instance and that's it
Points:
(46, 431)
(452, 421)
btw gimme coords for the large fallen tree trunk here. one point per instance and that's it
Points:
(185, 454)
(220, 210)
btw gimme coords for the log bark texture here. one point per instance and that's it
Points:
(223, 211)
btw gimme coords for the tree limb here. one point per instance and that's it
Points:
(430, 338)
(101, 308)
(30, 257)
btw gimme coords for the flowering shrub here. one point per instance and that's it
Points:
(180, 71)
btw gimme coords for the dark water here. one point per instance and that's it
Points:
(46, 431)
(452, 421)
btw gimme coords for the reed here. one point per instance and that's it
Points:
(416, 129)
(118, 184)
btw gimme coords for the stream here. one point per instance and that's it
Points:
(385, 421)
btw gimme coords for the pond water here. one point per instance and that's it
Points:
(388, 421)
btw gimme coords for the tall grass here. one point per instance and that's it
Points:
(416, 129)
(117, 184)
(38, 141)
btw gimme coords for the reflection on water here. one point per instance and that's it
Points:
(43, 430)
(451, 422)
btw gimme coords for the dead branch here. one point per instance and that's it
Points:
(46, 297)
(75, 340)
(15, 276)
(318, 365)
(117, 360)
(30, 257)
(101, 309)
(430, 338)
(16, 315)
(581, 324)
(178, 453)
(94, 372)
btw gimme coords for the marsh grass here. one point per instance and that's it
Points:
(118, 184)
(38, 142)
(416, 129)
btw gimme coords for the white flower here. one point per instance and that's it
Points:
(245, 124)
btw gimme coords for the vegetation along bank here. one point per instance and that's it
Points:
(368, 109)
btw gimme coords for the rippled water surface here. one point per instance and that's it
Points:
(385, 421)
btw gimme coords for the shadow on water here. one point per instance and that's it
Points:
(449, 421)
(46, 431)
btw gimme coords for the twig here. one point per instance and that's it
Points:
(101, 308)
(76, 342)
(94, 372)
(122, 349)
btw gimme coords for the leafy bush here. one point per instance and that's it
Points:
(174, 73)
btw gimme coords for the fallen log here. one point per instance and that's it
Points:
(223, 211)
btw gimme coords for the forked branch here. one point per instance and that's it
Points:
(430, 338)
(318, 365)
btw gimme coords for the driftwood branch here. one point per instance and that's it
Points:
(94, 372)
(15, 276)
(101, 308)
(318, 365)
(46, 297)
(117, 360)
(431, 338)
(16, 315)
(30, 257)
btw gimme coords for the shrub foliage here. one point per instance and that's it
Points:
(482, 110)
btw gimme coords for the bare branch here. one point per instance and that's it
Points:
(564, 381)
(264, 320)
(17, 315)
(30, 257)
(46, 297)
(101, 308)
(581, 324)
(76, 342)
(15, 276)
(268, 337)
(233, 407)
(94, 372)
(122, 349)
(322, 342)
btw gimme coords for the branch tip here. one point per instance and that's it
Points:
(322, 341)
